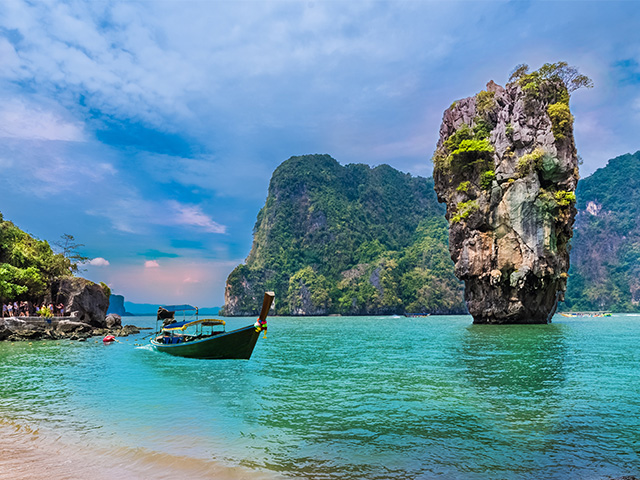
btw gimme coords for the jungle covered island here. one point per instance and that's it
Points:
(33, 275)
(506, 167)
(350, 240)
(605, 254)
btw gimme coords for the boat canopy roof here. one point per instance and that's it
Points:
(208, 322)
(179, 308)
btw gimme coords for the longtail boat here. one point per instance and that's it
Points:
(208, 338)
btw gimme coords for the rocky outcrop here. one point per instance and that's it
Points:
(116, 305)
(58, 328)
(86, 301)
(506, 167)
(113, 320)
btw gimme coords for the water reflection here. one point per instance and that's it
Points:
(516, 375)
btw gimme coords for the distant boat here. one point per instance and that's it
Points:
(416, 315)
(585, 314)
(208, 338)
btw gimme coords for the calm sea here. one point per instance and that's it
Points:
(344, 398)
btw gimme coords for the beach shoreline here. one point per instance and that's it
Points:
(29, 453)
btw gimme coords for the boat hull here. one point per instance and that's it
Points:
(234, 345)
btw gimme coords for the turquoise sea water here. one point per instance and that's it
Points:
(351, 398)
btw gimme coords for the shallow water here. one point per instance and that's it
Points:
(348, 398)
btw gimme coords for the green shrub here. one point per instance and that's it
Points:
(561, 120)
(529, 162)
(453, 142)
(482, 128)
(463, 210)
(472, 146)
(485, 102)
(564, 198)
(463, 187)
(486, 179)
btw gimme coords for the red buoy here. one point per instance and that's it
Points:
(109, 339)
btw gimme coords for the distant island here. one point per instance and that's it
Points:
(351, 240)
(605, 254)
(327, 243)
(119, 306)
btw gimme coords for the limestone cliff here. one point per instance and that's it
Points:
(346, 239)
(506, 166)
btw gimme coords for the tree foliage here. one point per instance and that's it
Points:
(561, 71)
(27, 265)
(605, 255)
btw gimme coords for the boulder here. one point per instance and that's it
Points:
(71, 326)
(86, 301)
(507, 171)
(113, 320)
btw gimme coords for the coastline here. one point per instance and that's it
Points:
(28, 453)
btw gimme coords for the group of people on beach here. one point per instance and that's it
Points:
(27, 309)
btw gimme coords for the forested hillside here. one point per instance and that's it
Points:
(347, 239)
(357, 240)
(27, 265)
(605, 255)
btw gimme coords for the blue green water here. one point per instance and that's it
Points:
(354, 398)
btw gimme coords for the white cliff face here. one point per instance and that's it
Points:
(506, 167)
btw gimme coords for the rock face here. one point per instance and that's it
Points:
(506, 166)
(85, 300)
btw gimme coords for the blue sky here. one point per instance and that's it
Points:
(149, 130)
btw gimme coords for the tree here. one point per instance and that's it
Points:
(569, 76)
(69, 249)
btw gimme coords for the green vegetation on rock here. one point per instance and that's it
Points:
(27, 265)
(463, 210)
(347, 239)
(561, 120)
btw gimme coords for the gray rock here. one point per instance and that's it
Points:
(113, 320)
(70, 326)
(85, 300)
(509, 237)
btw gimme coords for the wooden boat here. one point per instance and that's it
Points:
(207, 338)
(417, 315)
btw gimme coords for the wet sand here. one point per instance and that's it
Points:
(27, 454)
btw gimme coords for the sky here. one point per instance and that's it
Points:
(149, 130)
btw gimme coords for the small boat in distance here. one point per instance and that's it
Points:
(585, 314)
(208, 338)
(416, 315)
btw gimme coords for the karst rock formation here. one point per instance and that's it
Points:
(506, 167)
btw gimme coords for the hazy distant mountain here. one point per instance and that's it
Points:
(152, 309)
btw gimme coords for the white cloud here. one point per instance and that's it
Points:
(99, 262)
(192, 215)
(18, 120)
(151, 264)
(132, 213)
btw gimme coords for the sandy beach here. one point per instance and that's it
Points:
(28, 454)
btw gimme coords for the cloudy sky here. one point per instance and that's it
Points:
(149, 130)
